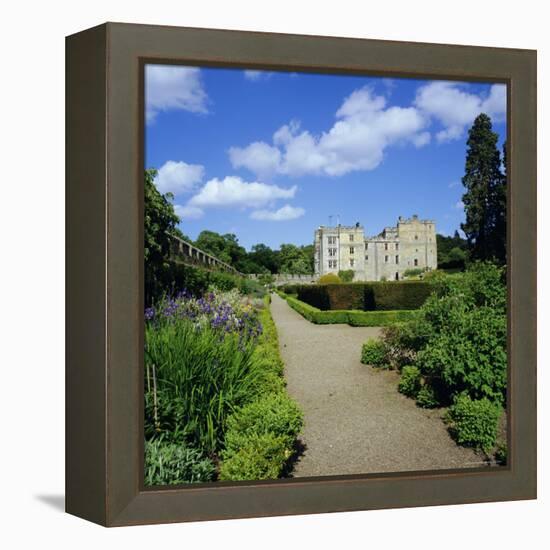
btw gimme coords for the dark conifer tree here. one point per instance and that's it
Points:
(485, 196)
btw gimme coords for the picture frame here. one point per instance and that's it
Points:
(104, 273)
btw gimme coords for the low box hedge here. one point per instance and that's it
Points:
(370, 296)
(354, 318)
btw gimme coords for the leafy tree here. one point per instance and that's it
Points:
(265, 257)
(485, 196)
(294, 260)
(159, 218)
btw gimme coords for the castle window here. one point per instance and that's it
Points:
(385, 246)
(351, 237)
(366, 258)
(386, 259)
(416, 262)
(332, 240)
(351, 262)
(397, 259)
(396, 246)
(366, 246)
(416, 237)
(352, 250)
(332, 264)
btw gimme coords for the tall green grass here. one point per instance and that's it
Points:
(194, 380)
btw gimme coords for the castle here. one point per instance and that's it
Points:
(411, 244)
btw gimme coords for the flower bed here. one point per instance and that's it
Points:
(207, 359)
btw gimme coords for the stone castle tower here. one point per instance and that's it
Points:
(410, 244)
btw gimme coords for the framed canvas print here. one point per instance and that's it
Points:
(301, 274)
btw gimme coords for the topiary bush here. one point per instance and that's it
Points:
(173, 463)
(329, 278)
(262, 456)
(373, 353)
(276, 414)
(410, 382)
(474, 422)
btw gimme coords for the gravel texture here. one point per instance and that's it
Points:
(355, 421)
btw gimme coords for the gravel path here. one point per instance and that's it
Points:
(355, 421)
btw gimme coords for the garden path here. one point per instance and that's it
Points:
(355, 421)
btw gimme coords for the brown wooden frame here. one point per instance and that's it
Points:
(104, 219)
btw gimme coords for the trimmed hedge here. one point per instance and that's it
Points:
(373, 296)
(353, 318)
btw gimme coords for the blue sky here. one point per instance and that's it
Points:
(270, 156)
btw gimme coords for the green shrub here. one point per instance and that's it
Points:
(353, 318)
(345, 296)
(414, 272)
(427, 397)
(501, 454)
(171, 463)
(474, 422)
(400, 294)
(376, 318)
(262, 457)
(374, 296)
(373, 353)
(346, 275)
(457, 339)
(469, 354)
(275, 414)
(329, 278)
(314, 295)
(410, 381)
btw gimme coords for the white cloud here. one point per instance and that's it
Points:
(178, 177)
(456, 108)
(365, 127)
(254, 76)
(284, 213)
(188, 212)
(459, 205)
(232, 191)
(172, 87)
(259, 157)
(454, 183)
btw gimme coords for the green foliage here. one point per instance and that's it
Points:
(353, 318)
(200, 379)
(373, 353)
(262, 457)
(346, 275)
(399, 294)
(329, 278)
(274, 413)
(413, 272)
(410, 382)
(374, 296)
(452, 252)
(159, 218)
(501, 454)
(485, 196)
(427, 397)
(175, 463)
(474, 422)
(458, 338)
(295, 260)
